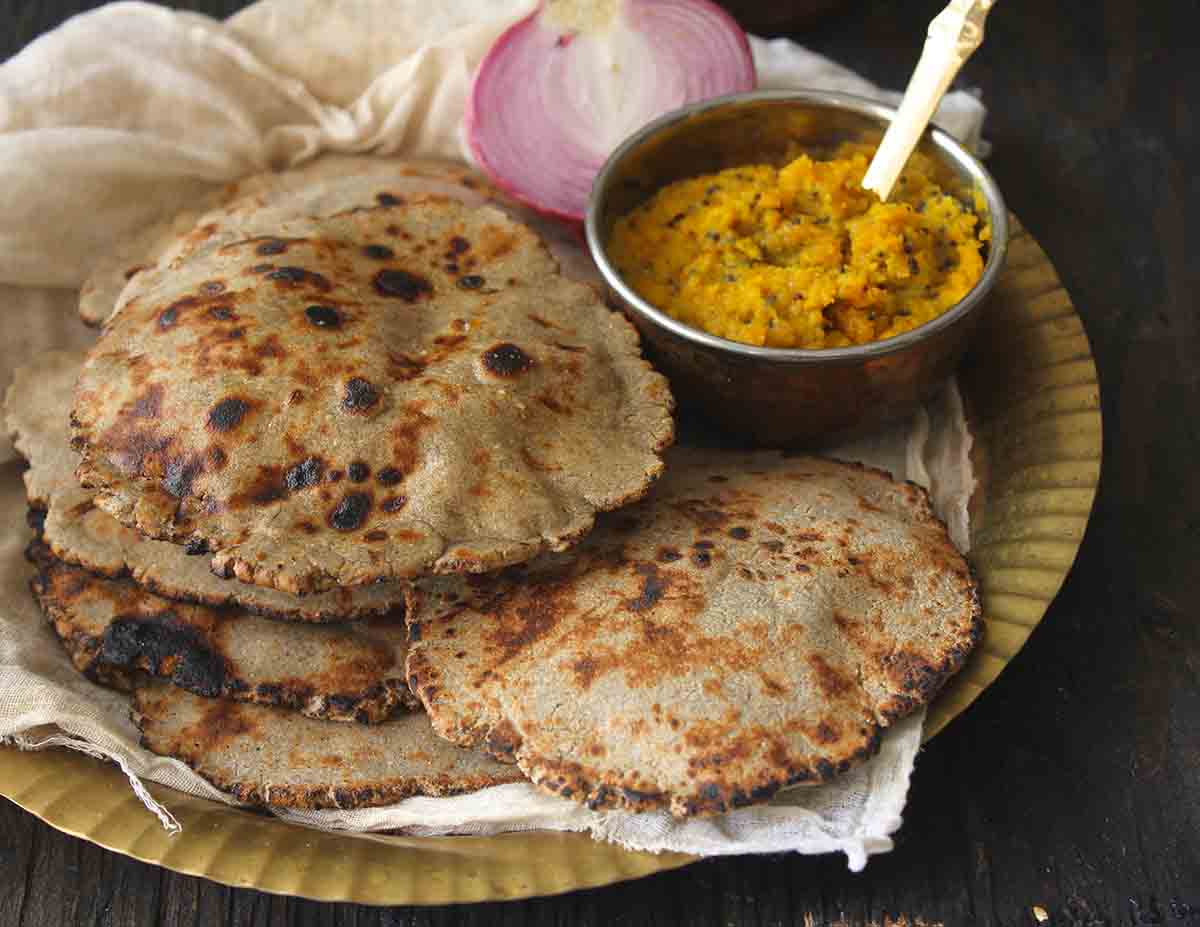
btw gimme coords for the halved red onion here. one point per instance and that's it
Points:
(563, 87)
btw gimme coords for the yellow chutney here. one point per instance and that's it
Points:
(802, 256)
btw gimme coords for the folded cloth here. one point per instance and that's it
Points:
(133, 111)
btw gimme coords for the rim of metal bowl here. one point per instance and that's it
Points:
(963, 160)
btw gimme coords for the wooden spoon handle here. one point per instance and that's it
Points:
(953, 35)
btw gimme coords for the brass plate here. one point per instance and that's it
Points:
(1035, 407)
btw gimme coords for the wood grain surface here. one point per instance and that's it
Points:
(1072, 787)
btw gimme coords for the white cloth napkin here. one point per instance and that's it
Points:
(123, 115)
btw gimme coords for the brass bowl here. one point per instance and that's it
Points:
(776, 396)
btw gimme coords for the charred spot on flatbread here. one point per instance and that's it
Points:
(323, 316)
(402, 284)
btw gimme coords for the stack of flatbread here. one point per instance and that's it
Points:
(361, 495)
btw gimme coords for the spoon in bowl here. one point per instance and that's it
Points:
(954, 34)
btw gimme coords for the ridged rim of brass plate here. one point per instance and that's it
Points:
(1034, 403)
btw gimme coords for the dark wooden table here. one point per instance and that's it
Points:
(1073, 784)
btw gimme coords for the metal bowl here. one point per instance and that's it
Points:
(775, 396)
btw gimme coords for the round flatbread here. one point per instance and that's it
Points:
(261, 203)
(753, 624)
(265, 756)
(38, 405)
(114, 629)
(370, 396)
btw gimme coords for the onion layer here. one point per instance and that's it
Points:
(563, 87)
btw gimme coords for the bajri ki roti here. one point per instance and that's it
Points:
(271, 757)
(753, 624)
(38, 405)
(371, 396)
(113, 628)
(259, 204)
